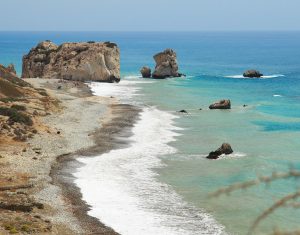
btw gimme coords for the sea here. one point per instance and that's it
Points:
(161, 183)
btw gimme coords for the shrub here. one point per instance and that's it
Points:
(16, 116)
(18, 107)
(8, 99)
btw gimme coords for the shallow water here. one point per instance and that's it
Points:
(163, 176)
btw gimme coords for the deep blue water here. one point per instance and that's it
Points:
(265, 134)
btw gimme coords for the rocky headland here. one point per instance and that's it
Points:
(86, 61)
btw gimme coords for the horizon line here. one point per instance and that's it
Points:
(150, 31)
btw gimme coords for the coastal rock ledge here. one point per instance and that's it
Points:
(85, 61)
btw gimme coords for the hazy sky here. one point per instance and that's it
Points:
(149, 15)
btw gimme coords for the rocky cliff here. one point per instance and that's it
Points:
(88, 61)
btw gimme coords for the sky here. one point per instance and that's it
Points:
(149, 15)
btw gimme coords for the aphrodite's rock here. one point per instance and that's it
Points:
(11, 68)
(224, 149)
(166, 64)
(252, 74)
(222, 104)
(73, 61)
(146, 72)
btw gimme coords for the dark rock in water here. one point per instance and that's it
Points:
(166, 65)
(224, 149)
(222, 104)
(11, 68)
(182, 111)
(200, 109)
(245, 105)
(146, 72)
(252, 74)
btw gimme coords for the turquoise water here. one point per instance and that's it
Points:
(265, 135)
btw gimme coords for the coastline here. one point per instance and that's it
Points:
(105, 140)
(85, 125)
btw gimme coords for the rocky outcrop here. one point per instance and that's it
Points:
(146, 72)
(222, 104)
(252, 74)
(87, 61)
(224, 149)
(11, 68)
(166, 64)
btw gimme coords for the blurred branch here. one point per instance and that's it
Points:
(282, 202)
(263, 179)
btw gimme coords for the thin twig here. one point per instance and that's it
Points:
(271, 209)
(259, 180)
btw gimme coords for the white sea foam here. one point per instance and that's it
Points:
(263, 77)
(234, 155)
(121, 186)
(124, 192)
(277, 95)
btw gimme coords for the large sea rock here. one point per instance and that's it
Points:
(166, 64)
(252, 74)
(86, 61)
(146, 72)
(224, 149)
(222, 104)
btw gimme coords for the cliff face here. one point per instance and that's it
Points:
(90, 61)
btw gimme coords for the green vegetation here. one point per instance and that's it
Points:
(18, 107)
(12, 229)
(16, 116)
(9, 99)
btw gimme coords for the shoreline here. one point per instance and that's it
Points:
(84, 125)
(105, 140)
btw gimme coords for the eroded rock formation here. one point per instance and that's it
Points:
(87, 61)
(11, 68)
(166, 64)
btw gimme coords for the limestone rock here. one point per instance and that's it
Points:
(222, 104)
(252, 74)
(11, 68)
(146, 72)
(86, 61)
(224, 149)
(166, 64)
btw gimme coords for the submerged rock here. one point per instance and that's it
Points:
(166, 64)
(73, 61)
(146, 72)
(252, 74)
(183, 111)
(222, 104)
(224, 149)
